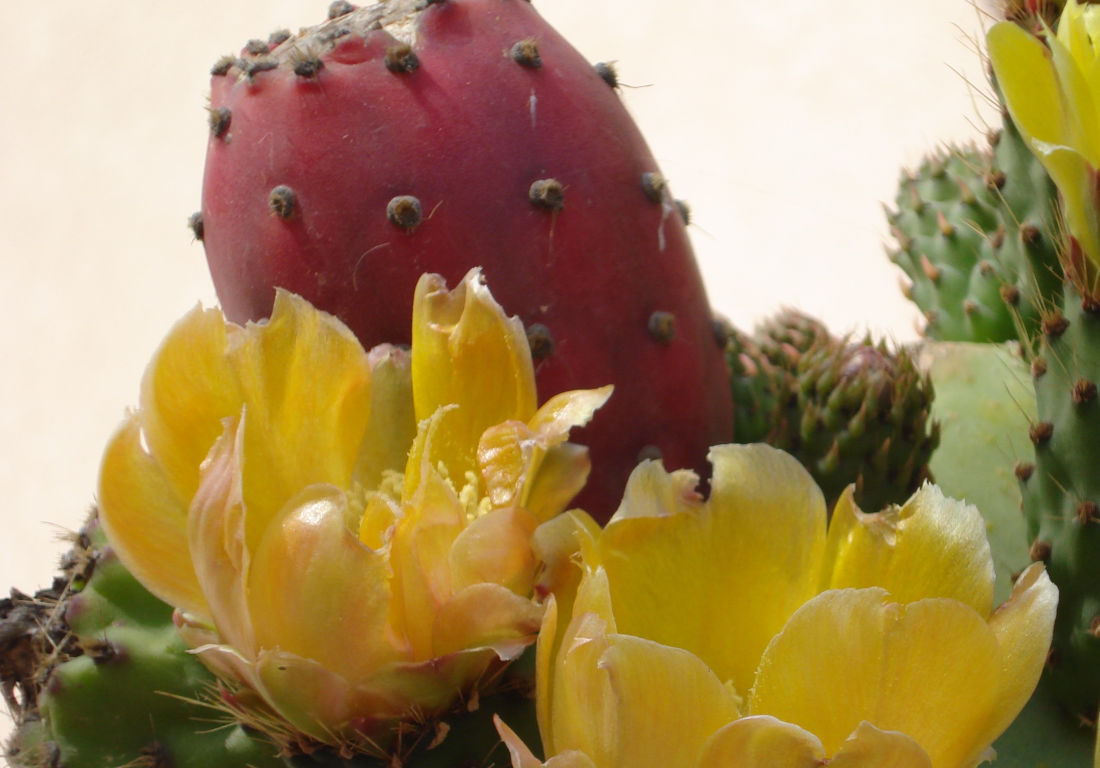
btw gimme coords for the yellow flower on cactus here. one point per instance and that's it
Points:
(347, 533)
(1052, 89)
(742, 631)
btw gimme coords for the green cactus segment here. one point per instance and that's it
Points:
(757, 385)
(984, 402)
(859, 413)
(975, 238)
(851, 412)
(1061, 494)
(122, 689)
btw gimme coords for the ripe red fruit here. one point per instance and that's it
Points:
(414, 137)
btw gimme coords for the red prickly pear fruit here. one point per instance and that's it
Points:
(435, 136)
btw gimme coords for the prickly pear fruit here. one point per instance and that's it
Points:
(859, 413)
(1061, 494)
(103, 678)
(758, 386)
(438, 135)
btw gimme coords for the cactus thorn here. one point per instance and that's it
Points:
(282, 201)
(947, 229)
(405, 212)
(540, 341)
(1084, 391)
(662, 326)
(547, 193)
(256, 47)
(1010, 294)
(1040, 551)
(223, 65)
(401, 59)
(278, 37)
(194, 221)
(607, 73)
(526, 54)
(1054, 323)
(1038, 367)
(220, 117)
(1088, 512)
(654, 186)
(1040, 432)
(931, 271)
(339, 8)
(1023, 470)
(685, 211)
(970, 307)
(1029, 234)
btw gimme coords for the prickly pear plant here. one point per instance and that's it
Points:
(434, 136)
(758, 387)
(860, 413)
(96, 675)
(851, 412)
(975, 239)
(1061, 492)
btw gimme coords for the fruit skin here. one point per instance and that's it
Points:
(1061, 494)
(469, 132)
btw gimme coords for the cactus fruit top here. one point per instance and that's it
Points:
(410, 137)
(850, 411)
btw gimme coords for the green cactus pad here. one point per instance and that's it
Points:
(121, 688)
(984, 402)
(1061, 494)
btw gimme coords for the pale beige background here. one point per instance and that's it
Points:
(784, 124)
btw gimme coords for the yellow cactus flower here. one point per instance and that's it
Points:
(1052, 89)
(743, 631)
(348, 533)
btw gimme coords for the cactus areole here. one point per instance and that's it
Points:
(434, 136)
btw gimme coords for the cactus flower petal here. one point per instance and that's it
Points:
(323, 524)
(879, 673)
(931, 546)
(1050, 89)
(758, 541)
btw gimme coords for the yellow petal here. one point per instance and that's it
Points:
(467, 352)
(486, 616)
(495, 548)
(188, 388)
(870, 747)
(665, 702)
(932, 546)
(215, 537)
(929, 669)
(392, 425)
(146, 521)
(1023, 627)
(567, 410)
(1026, 75)
(721, 578)
(420, 559)
(522, 757)
(561, 475)
(315, 591)
(761, 741)
(305, 380)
